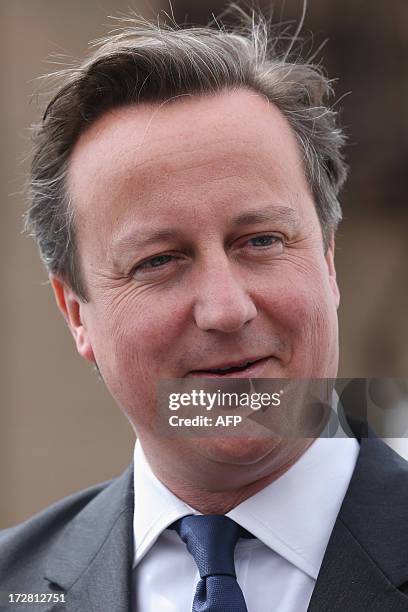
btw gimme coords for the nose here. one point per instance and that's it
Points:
(222, 301)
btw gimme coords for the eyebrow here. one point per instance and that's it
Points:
(135, 239)
(281, 214)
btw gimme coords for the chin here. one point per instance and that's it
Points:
(236, 450)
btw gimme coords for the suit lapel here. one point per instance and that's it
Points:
(364, 567)
(92, 561)
(366, 560)
(350, 580)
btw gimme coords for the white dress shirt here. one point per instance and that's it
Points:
(292, 519)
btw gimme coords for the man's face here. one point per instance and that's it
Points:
(200, 248)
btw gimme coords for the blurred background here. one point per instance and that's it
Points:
(59, 428)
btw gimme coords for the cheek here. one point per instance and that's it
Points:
(304, 314)
(133, 340)
(295, 305)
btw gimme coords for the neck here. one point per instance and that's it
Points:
(213, 495)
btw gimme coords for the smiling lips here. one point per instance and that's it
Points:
(242, 369)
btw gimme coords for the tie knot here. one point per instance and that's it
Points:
(211, 541)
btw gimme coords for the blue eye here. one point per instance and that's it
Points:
(156, 262)
(265, 240)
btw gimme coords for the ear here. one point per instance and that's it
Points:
(332, 271)
(71, 308)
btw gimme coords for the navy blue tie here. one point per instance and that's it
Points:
(211, 541)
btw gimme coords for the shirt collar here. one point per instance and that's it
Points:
(294, 515)
(155, 508)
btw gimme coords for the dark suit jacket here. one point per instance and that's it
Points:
(83, 545)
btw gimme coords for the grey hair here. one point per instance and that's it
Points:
(146, 62)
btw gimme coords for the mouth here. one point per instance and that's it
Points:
(246, 368)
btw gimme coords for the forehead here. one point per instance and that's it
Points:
(211, 149)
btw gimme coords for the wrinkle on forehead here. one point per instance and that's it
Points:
(231, 142)
(148, 126)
